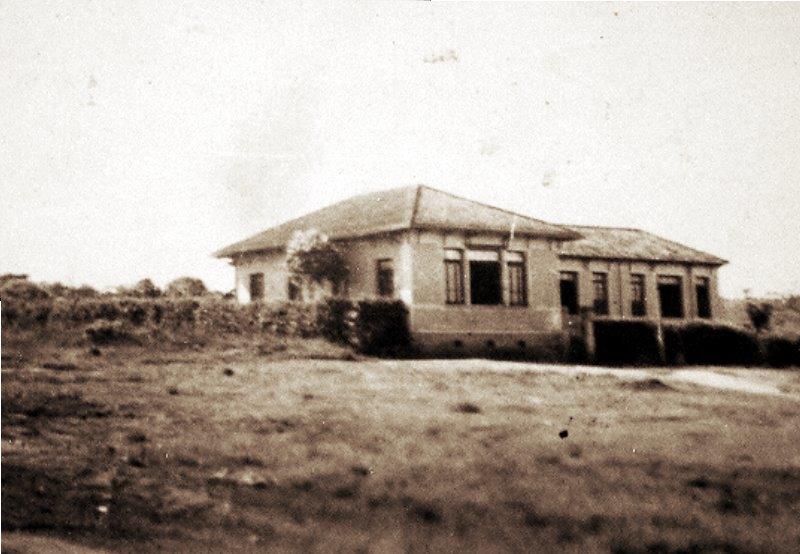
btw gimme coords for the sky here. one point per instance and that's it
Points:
(136, 138)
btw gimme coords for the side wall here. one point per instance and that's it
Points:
(619, 287)
(361, 255)
(272, 265)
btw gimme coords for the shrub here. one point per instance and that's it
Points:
(706, 344)
(626, 342)
(780, 351)
(26, 313)
(381, 328)
(110, 332)
(186, 286)
(23, 290)
(760, 315)
(147, 289)
(5, 277)
(335, 318)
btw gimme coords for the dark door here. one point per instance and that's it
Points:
(484, 280)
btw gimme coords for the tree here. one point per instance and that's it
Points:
(760, 315)
(186, 286)
(147, 289)
(312, 259)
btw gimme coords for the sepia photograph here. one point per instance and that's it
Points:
(399, 277)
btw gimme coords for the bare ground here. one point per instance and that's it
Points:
(233, 449)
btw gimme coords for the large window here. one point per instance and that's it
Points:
(600, 286)
(385, 278)
(638, 298)
(454, 276)
(256, 287)
(517, 286)
(702, 289)
(484, 277)
(670, 295)
(569, 291)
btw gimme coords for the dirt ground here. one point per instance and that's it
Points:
(249, 450)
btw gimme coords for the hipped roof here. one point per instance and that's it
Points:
(616, 243)
(415, 207)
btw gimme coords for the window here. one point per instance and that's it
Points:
(385, 278)
(484, 277)
(517, 289)
(454, 276)
(569, 291)
(293, 291)
(670, 295)
(703, 297)
(638, 302)
(256, 287)
(600, 286)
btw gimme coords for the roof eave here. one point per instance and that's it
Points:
(717, 262)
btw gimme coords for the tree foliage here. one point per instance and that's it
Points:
(760, 315)
(147, 289)
(312, 258)
(186, 286)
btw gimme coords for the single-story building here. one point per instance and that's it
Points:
(476, 275)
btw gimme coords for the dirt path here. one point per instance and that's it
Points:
(24, 543)
(744, 380)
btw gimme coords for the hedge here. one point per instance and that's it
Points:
(374, 327)
(335, 318)
(781, 351)
(377, 327)
(625, 342)
(707, 344)
(381, 327)
(620, 342)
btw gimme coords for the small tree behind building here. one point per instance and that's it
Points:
(312, 260)
(760, 315)
(186, 286)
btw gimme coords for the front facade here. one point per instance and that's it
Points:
(476, 277)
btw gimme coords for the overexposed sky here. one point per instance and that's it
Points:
(138, 137)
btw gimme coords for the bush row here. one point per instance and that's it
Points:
(636, 343)
(374, 327)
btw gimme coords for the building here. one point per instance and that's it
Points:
(474, 275)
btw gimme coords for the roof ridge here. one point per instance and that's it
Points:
(637, 229)
(486, 205)
(415, 206)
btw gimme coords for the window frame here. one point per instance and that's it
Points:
(703, 283)
(517, 266)
(638, 306)
(600, 305)
(454, 259)
(253, 278)
(293, 291)
(380, 282)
